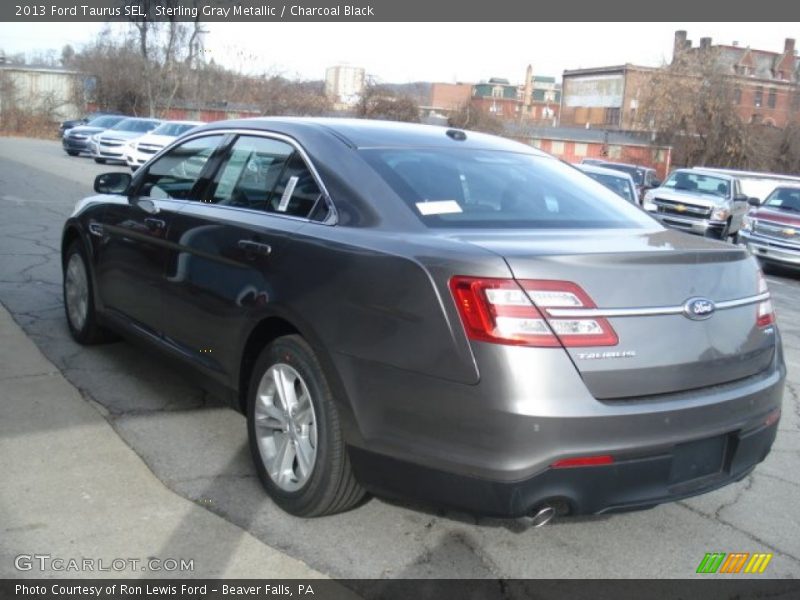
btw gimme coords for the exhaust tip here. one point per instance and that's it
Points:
(543, 515)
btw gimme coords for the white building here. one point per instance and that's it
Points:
(46, 89)
(344, 84)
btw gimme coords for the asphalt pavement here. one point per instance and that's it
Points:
(197, 448)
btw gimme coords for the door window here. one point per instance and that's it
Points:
(266, 174)
(176, 173)
(251, 170)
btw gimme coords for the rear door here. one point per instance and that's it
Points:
(225, 265)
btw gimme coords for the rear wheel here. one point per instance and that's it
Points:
(100, 161)
(294, 432)
(79, 301)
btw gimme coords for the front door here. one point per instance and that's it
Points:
(225, 266)
(133, 253)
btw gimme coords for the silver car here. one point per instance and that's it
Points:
(425, 312)
(701, 202)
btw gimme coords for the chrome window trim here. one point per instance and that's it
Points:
(333, 217)
(648, 311)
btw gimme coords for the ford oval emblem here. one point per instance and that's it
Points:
(698, 309)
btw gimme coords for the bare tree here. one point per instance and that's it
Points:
(379, 102)
(691, 105)
(470, 117)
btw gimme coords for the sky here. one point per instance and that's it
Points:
(447, 52)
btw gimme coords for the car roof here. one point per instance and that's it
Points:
(709, 172)
(364, 133)
(589, 168)
(628, 165)
(171, 122)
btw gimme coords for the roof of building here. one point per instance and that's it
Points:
(606, 70)
(581, 134)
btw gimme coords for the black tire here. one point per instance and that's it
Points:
(73, 152)
(100, 161)
(88, 332)
(331, 486)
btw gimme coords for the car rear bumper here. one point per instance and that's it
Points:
(628, 484)
(490, 447)
(771, 250)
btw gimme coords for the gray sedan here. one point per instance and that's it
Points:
(433, 313)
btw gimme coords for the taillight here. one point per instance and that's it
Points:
(505, 311)
(766, 314)
(584, 461)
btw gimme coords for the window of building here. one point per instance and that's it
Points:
(612, 116)
(759, 97)
(737, 95)
(796, 101)
(581, 149)
(660, 155)
(615, 151)
(772, 97)
(557, 147)
(497, 91)
(536, 143)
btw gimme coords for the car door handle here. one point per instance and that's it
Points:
(155, 223)
(252, 248)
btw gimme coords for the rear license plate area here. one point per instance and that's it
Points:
(701, 458)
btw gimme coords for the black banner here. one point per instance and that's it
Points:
(404, 589)
(395, 10)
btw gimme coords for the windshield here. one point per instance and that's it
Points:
(784, 199)
(631, 170)
(104, 122)
(698, 182)
(136, 125)
(173, 129)
(484, 189)
(618, 185)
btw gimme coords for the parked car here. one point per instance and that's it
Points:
(76, 139)
(619, 182)
(144, 148)
(700, 202)
(71, 123)
(426, 312)
(645, 178)
(772, 231)
(110, 145)
(757, 184)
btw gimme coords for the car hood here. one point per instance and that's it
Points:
(122, 135)
(85, 130)
(688, 197)
(156, 140)
(776, 216)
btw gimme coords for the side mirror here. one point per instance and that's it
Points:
(752, 201)
(112, 183)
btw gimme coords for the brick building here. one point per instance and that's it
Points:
(446, 98)
(537, 100)
(573, 144)
(767, 84)
(605, 97)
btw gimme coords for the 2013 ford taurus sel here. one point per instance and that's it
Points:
(430, 313)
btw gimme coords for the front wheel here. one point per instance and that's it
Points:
(294, 432)
(79, 300)
(73, 152)
(100, 161)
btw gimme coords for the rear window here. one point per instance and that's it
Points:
(173, 129)
(136, 125)
(618, 185)
(490, 189)
(105, 121)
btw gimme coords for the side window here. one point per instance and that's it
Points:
(297, 191)
(175, 174)
(251, 170)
